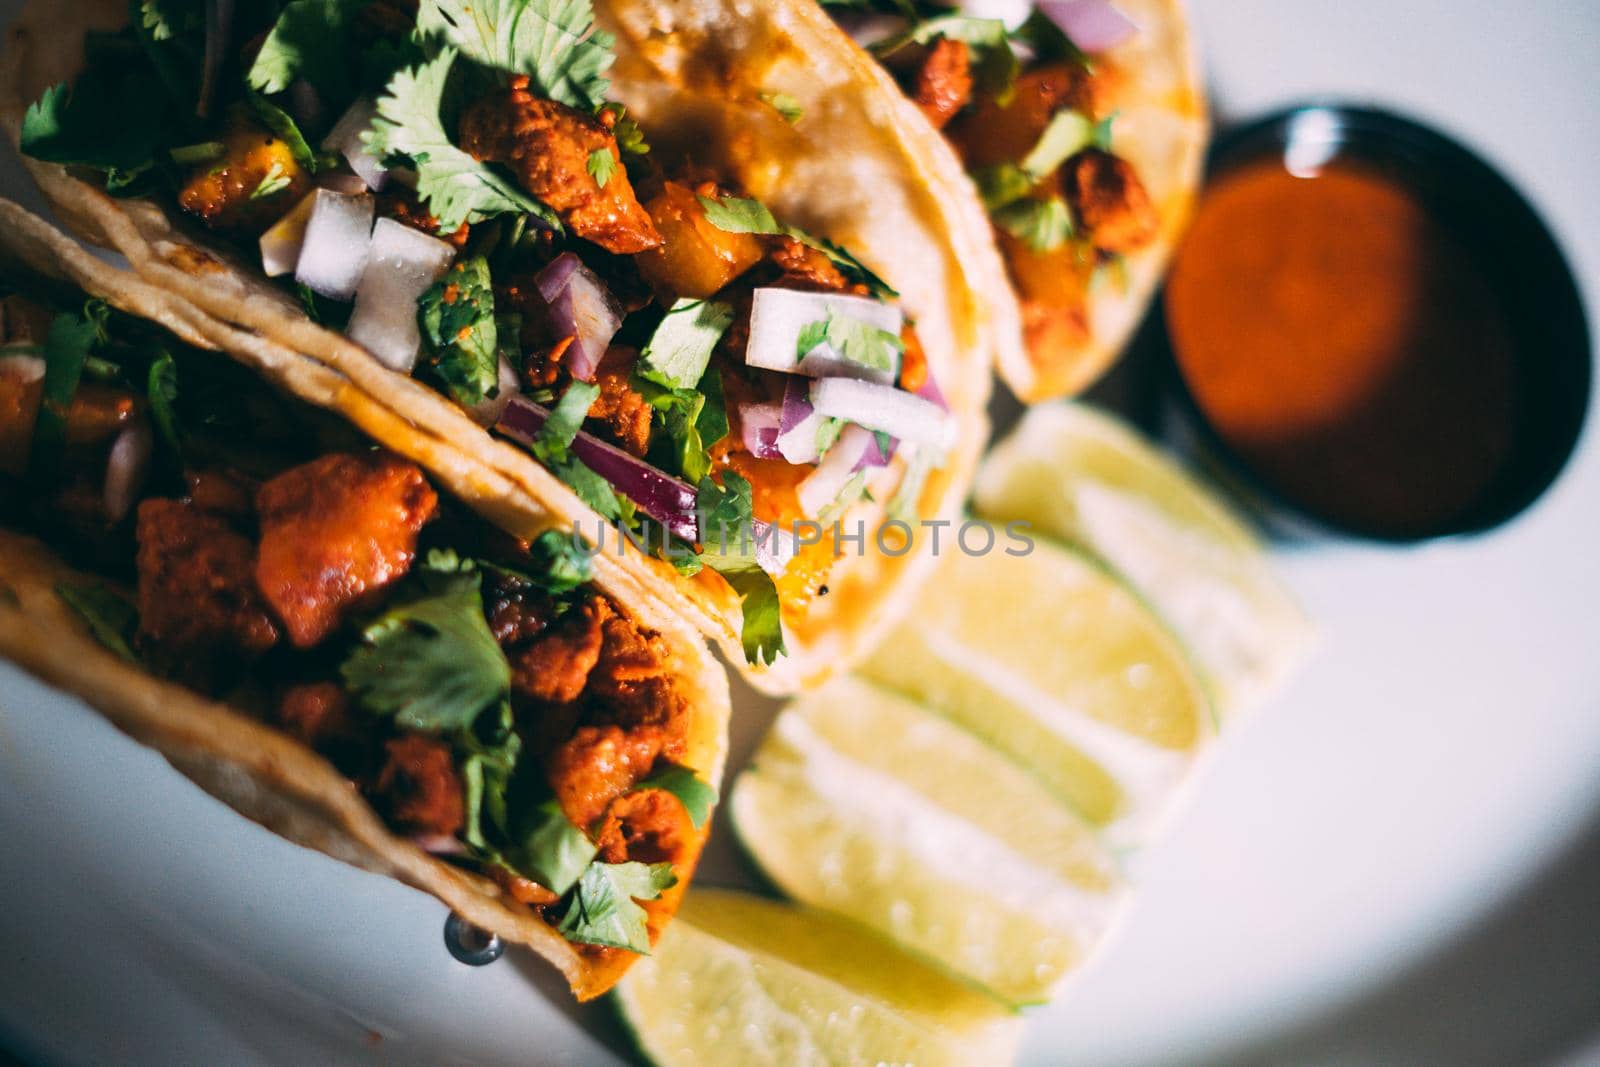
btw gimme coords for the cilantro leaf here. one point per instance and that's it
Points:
(309, 40)
(629, 137)
(695, 793)
(165, 19)
(281, 123)
(459, 334)
(560, 562)
(66, 348)
(1068, 133)
(1042, 225)
(603, 908)
(554, 42)
(734, 214)
(828, 432)
(857, 341)
(548, 848)
(430, 661)
(111, 619)
(113, 118)
(566, 419)
(601, 165)
(784, 104)
(678, 352)
(457, 187)
(726, 532)
(161, 386)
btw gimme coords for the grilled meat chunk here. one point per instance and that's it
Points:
(418, 788)
(942, 85)
(1110, 201)
(334, 532)
(549, 145)
(255, 182)
(197, 590)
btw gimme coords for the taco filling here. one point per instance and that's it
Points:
(1026, 96)
(448, 184)
(490, 702)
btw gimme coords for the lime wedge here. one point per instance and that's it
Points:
(745, 982)
(1083, 477)
(868, 805)
(1057, 665)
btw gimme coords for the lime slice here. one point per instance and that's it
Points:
(1083, 477)
(866, 804)
(1056, 664)
(745, 982)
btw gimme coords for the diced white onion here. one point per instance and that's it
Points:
(24, 367)
(337, 241)
(280, 245)
(823, 485)
(778, 315)
(1011, 12)
(799, 444)
(883, 407)
(404, 262)
(346, 139)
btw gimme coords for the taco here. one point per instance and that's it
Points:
(317, 629)
(701, 233)
(1083, 124)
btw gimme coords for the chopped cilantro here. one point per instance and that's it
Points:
(457, 187)
(678, 352)
(828, 431)
(603, 909)
(283, 125)
(192, 155)
(429, 660)
(548, 848)
(857, 341)
(1042, 225)
(1068, 133)
(601, 166)
(745, 215)
(162, 389)
(110, 618)
(113, 118)
(275, 181)
(460, 337)
(695, 793)
(310, 40)
(784, 105)
(66, 348)
(554, 42)
(165, 19)
(1102, 133)
(630, 138)
(726, 534)
(559, 562)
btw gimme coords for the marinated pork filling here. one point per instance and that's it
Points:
(480, 692)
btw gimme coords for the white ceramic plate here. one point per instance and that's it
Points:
(1439, 751)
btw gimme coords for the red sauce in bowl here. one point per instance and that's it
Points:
(1346, 345)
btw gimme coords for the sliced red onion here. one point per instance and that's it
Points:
(1092, 25)
(127, 468)
(798, 425)
(876, 454)
(305, 104)
(337, 243)
(823, 485)
(759, 426)
(930, 392)
(774, 546)
(403, 263)
(778, 315)
(281, 244)
(1011, 12)
(882, 407)
(580, 308)
(487, 411)
(664, 498)
(348, 139)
